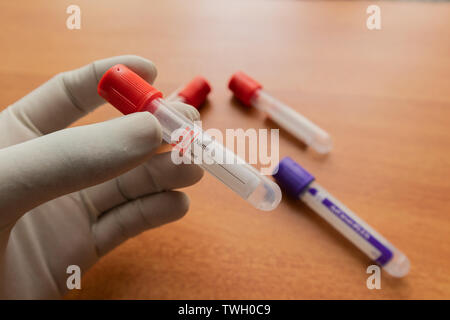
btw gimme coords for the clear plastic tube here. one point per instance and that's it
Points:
(226, 166)
(356, 230)
(292, 121)
(129, 93)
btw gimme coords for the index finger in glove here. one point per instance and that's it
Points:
(69, 95)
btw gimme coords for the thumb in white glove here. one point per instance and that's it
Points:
(46, 223)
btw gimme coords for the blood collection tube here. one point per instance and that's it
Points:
(299, 183)
(250, 93)
(194, 92)
(129, 93)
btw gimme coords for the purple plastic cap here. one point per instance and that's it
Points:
(292, 177)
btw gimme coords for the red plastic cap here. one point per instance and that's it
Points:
(196, 91)
(243, 87)
(126, 90)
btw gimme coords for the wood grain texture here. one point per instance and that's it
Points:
(383, 95)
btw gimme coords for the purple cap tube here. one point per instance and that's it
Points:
(299, 183)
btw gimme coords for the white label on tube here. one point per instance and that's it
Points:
(221, 163)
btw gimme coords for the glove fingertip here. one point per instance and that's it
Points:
(187, 110)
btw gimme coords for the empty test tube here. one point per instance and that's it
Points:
(299, 183)
(129, 93)
(250, 93)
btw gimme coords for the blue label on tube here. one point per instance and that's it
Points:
(385, 253)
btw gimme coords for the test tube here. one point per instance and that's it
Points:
(194, 92)
(129, 93)
(299, 183)
(250, 93)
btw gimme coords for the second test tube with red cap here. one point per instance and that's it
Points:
(193, 93)
(250, 93)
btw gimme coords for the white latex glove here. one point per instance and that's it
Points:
(46, 222)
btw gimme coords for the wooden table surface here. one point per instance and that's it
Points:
(384, 96)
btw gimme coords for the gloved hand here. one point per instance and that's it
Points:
(69, 196)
